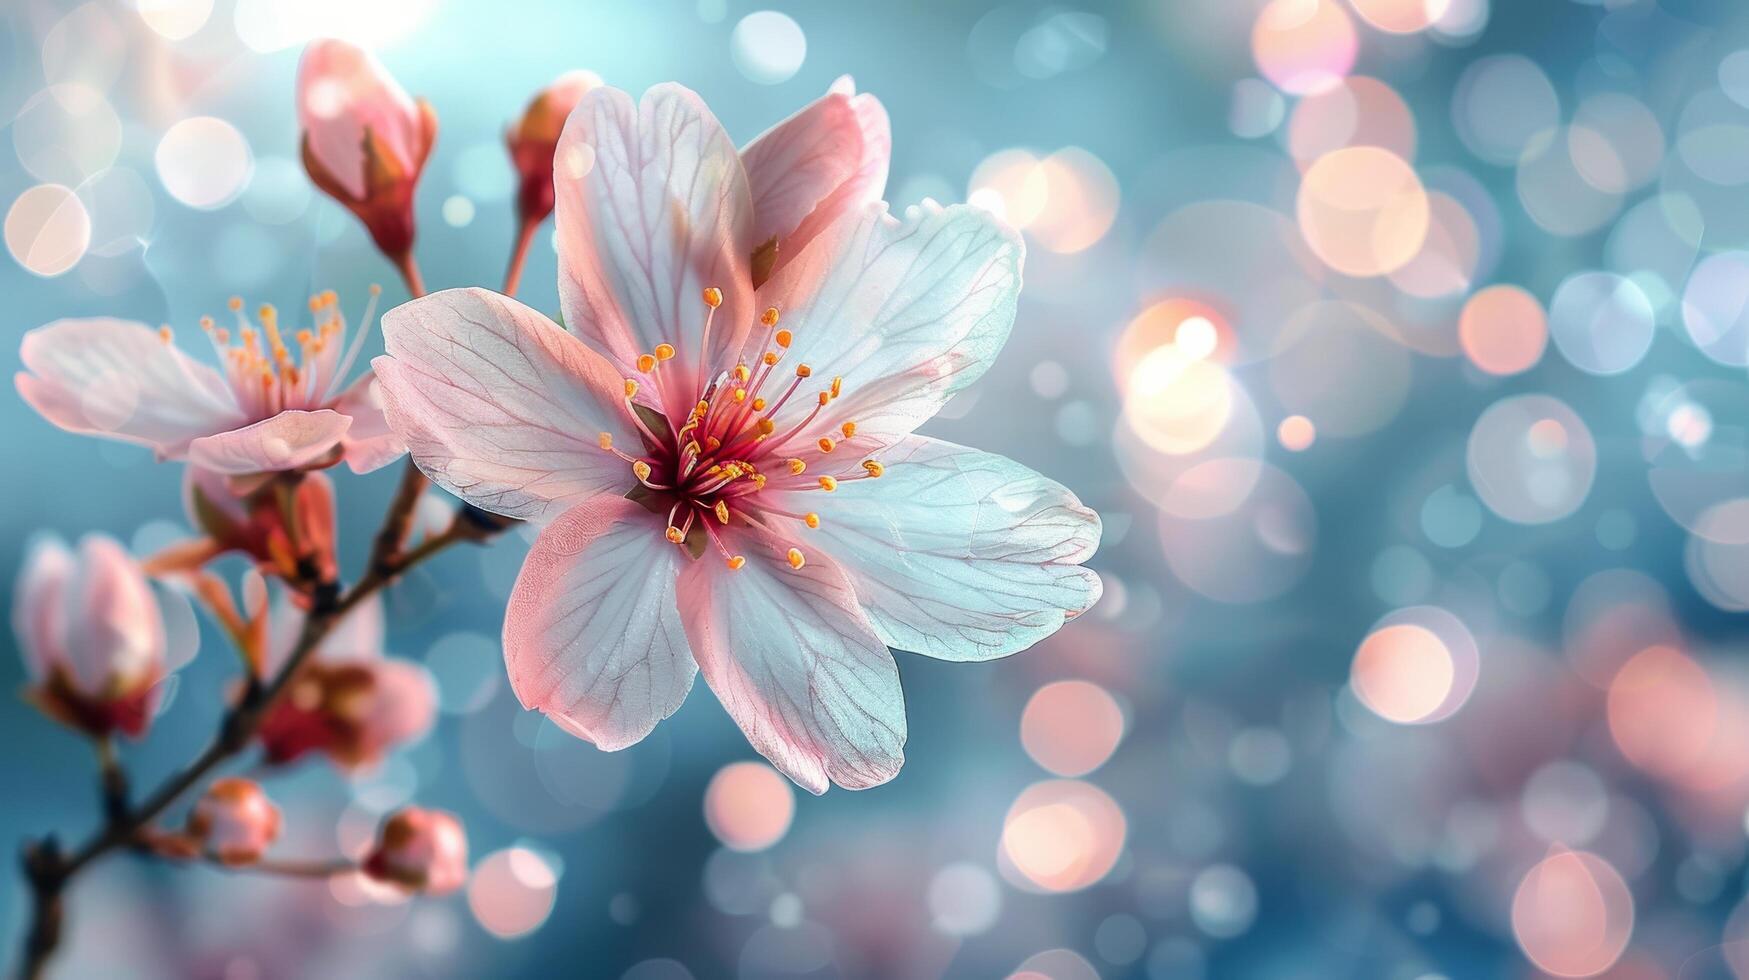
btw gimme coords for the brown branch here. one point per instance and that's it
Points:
(519, 255)
(49, 871)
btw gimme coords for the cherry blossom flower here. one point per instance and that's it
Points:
(534, 138)
(727, 476)
(365, 140)
(420, 850)
(286, 529)
(349, 701)
(92, 636)
(234, 821)
(275, 403)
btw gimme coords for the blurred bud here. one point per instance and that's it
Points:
(365, 140)
(420, 850)
(92, 636)
(235, 821)
(286, 526)
(535, 137)
(353, 712)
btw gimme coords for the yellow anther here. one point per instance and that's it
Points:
(714, 470)
(375, 290)
(803, 371)
(849, 430)
(759, 404)
(828, 483)
(712, 444)
(701, 408)
(674, 534)
(713, 297)
(267, 312)
(235, 303)
(664, 352)
(206, 323)
(827, 445)
(740, 394)
(164, 333)
(722, 510)
(759, 481)
(605, 440)
(631, 387)
(769, 317)
(741, 373)
(767, 427)
(646, 363)
(795, 558)
(812, 520)
(315, 303)
(824, 398)
(306, 337)
(692, 447)
(735, 563)
(837, 386)
(641, 470)
(874, 468)
(796, 467)
(770, 358)
(784, 337)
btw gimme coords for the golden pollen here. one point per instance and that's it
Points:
(766, 427)
(641, 470)
(606, 440)
(828, 483)
(874, 469)
(759, 404)
(770, 358)
(235, 303)
(827, 445)
(631, 387)
(795, 558)
(849, 430)
(674, 535)
(722, 510)
(713, 297)
(741, 373)
(803, 371)
(784, 337)
(796, 467)
(740, 394)
(837, 386)
(769, 317)
(646, 363)
(735, 562)
(812, 520)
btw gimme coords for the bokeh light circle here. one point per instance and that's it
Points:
(1416, 666)
(1303, 46)
(768, 47)
(1602, 323)
(1531, 459)
(1071, 727)
(1573, 914)
(1363, 211)
(47, 229)
(511, 892)
(1061, 835)
(204, 162)
(1503, 330)
(749, 806)
(1715, 307)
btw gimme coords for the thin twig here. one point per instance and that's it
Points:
(49, 872)
(519, 255)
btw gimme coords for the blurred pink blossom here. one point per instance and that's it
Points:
(420, 850)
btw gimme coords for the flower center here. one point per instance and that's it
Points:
(268, 376)
(730, 458)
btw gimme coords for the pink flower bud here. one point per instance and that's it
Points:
(365, 140)
(354, 712)
(420, 850)
(287, 535)
(535, 137)
(234, 821)
(92, 636)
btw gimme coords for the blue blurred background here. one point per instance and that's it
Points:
(1400, 343)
